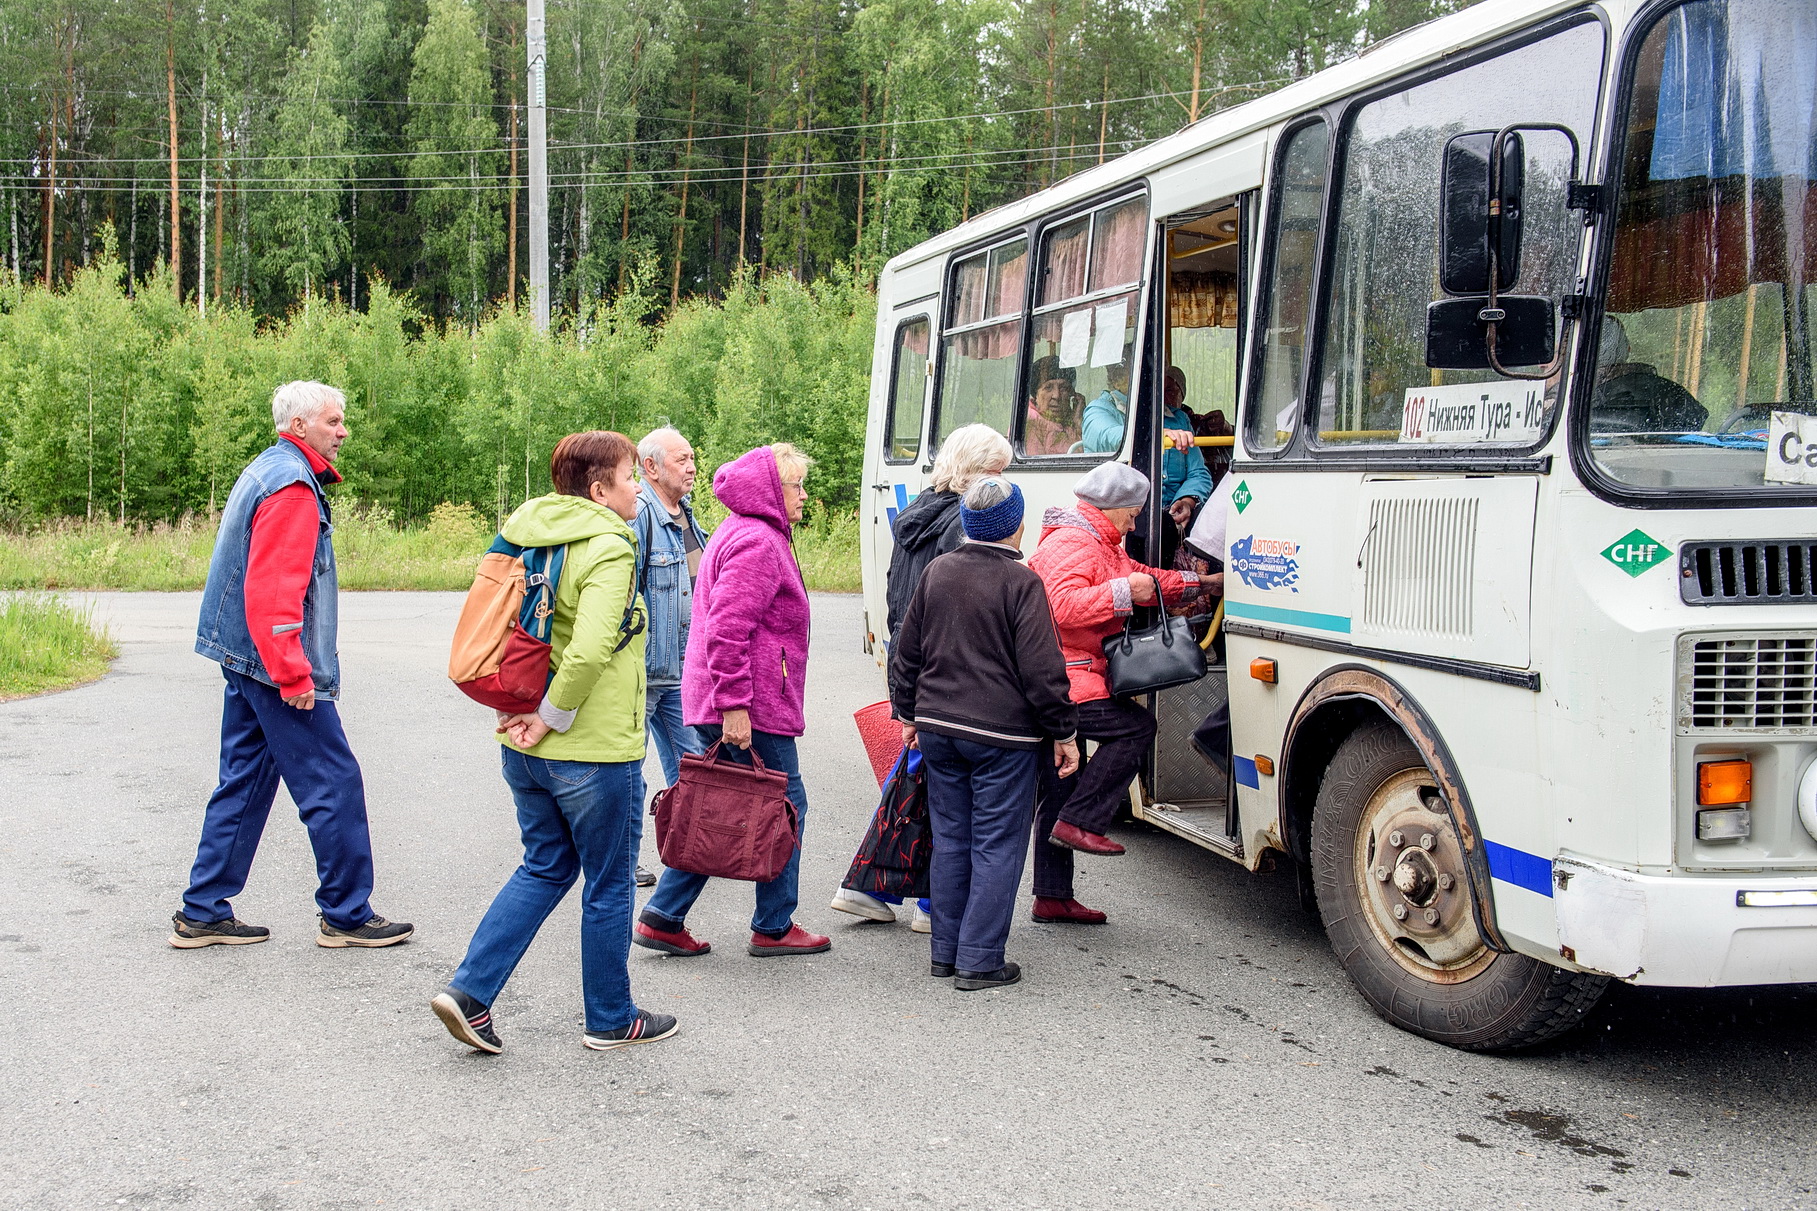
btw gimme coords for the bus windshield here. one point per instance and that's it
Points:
(1704, 356)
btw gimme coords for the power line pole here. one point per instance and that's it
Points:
(539, 164)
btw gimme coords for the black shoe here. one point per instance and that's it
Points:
(467, 1020)
(187, 934)
(646, 1027)
(1003, 977)
(644, 877)
(940, 971)
(375, 932)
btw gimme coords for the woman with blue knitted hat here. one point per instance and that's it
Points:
(979, 685)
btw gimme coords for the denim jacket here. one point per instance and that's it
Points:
(221, 632)
(662, 570)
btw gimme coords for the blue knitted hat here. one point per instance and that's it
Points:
(997, 522)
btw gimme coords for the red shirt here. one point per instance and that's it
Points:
(279, 565)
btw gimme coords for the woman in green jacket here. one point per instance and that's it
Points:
(575, 767)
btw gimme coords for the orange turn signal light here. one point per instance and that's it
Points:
(1264, 765)
(1262, 669)
(1720, 782)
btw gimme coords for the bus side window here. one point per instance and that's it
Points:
(1075, 399)
(908, 392)
(1283, 309)
(1374, 384)
(983, 339)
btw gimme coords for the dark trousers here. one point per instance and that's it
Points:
(263, 740)
(1124, 732)
(979, 799)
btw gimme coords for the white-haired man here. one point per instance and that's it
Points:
(269, 616)
(669, 543)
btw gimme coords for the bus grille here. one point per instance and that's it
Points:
(1755, 683)
(1419, 565)
(1737, 572)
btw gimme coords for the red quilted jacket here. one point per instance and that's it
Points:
(1081, 561)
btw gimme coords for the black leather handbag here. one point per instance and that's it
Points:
(1154, 657)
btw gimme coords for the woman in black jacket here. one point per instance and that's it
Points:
(929, 527)
(979, 685)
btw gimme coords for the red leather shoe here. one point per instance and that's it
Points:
(1071, 836)
(797, 941)
(678, 942)
(1050, 911)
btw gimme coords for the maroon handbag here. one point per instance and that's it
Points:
(725, 819)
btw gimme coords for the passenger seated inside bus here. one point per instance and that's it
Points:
(1633, 397)
(1108, 413)
(1052, 426)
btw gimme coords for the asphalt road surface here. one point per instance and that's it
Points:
(1201, 1050)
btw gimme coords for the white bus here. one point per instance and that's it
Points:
(1511, 317)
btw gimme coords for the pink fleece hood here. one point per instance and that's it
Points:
(751, 486)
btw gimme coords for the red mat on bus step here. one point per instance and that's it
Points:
(882, 737)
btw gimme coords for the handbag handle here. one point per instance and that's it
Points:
(712, 754)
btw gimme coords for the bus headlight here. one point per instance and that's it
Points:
(1807, 799)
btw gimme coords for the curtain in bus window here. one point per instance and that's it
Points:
(1117, 242)
(1063, 264)
(1203, 300)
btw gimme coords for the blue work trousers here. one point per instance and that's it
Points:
(263, 740)
(662, 716)
(578, 819)
(980, 800)
(667, 908)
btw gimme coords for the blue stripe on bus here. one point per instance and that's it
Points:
(1297, 618)
(1519, 867)
(1245, 771)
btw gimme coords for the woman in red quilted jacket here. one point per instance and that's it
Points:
(1093, 586)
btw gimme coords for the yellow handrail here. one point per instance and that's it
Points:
(1211, 632)
(1214, 441)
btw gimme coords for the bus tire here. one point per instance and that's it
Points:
(1388, 873)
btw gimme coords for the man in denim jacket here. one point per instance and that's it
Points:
(669, 543)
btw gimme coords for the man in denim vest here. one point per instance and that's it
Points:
(269, 616)
(669, 542)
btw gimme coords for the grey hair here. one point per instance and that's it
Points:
(986, 493)
(654, 446)
(965, 454)
(303, 399)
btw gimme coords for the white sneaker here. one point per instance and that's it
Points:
(921, 922)
(861, 905)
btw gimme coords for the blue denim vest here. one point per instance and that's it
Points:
(221, 633)
(662, 565)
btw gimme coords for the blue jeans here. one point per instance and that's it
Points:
(662, 715)
(667, 908)
(578, 818)
(263, 740)
(980, 799)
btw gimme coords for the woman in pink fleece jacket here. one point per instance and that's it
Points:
(741, 681)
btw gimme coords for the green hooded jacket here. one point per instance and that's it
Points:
(599, 690)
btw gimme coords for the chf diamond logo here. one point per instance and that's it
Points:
(1241, 497)
(1636, 551)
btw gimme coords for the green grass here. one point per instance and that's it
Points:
(48, 644)
(371, 552)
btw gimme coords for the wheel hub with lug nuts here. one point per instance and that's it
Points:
(1411, 871)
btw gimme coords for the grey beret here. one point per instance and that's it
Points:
(1113, 486)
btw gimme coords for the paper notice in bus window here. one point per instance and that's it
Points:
(1075, 338)
(1107, 350)
(1470, 414)
(1792, 449)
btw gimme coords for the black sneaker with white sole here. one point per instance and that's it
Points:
(467, 1020)
(187, 934)
(377, 931)
(646, 1027)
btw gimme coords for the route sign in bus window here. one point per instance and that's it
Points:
(908, 392)
(1385, 260)
(1707, 336)
(983, 339)
(1284, 307)
(1077, 389)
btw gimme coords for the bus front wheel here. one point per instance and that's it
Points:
(1388, 870)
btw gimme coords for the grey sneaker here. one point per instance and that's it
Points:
(646, 1027)
(467, 1020)
(187, 934)
(645, 878)
(375, 932)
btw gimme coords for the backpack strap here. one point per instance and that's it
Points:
(632, 624)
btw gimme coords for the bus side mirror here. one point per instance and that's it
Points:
(1457, 334)
(1478, 213)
